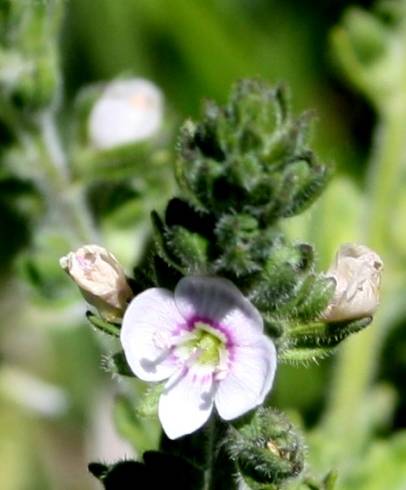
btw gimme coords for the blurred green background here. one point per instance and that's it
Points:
(55, 400)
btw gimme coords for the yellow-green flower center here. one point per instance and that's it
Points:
(208, 342)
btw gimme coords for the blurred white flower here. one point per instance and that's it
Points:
(207, 340)
(127, 111)
(357, 273)
(101, 279)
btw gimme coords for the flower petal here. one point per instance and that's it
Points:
(217, 299)
(149, 324)
(186, 403)
(249, 380)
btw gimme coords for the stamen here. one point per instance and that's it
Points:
(223, 367)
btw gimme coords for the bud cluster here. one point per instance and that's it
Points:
(241, 169)
(250, 157)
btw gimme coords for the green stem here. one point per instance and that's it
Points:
(66, 202)
(221, 470)
(209, 480)
(358, 358)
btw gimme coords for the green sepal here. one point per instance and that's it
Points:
(322, 334)
(112, 329)
(311, 299)
(148, 406)
(191, 249)
(280, 276)
(117, 364)
(240, 240)
(304, 356)
(312, 187)
(163, 248)
(287, 141)
(266, 448)
(274, 327)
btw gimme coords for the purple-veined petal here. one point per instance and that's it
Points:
(250, 378)
(218, 300)
(147, 331)
(187, 402)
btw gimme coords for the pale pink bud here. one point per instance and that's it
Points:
(101, 280)
(357, 273)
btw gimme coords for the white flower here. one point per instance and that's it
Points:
(207, 339)
(101, 279)
(357, 272)
(127, 111)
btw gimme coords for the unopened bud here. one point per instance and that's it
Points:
(357, 273)
(267, 449)
(127, 111)
(101, 280)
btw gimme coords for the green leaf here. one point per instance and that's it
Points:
(112, 329)
(323, 334)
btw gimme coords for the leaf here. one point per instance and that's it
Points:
(112, 329)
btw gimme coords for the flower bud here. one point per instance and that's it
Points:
(101, 280)
(357, 273)
(127, 111)
(266, 448)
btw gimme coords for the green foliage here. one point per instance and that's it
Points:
(383, 466)
(369, 48)
(28, 52)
